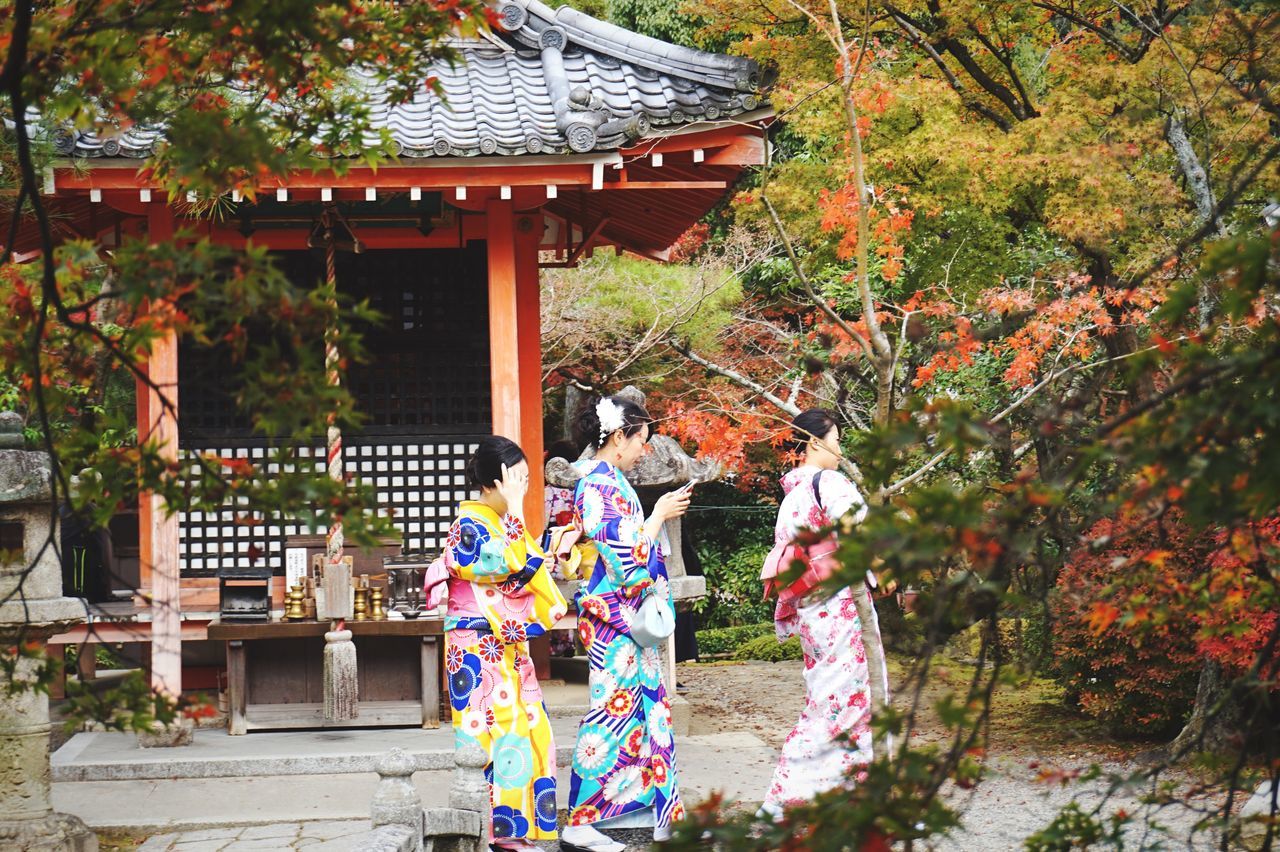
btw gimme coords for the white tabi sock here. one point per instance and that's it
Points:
(588, 838)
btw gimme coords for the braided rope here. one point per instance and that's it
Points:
(333, 435)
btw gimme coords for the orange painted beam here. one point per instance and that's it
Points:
(529, 352)
(523, 198)
(744, 151)
(504, 352)
(665, 184)
(517, 172)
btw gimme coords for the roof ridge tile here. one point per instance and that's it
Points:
(548, 81)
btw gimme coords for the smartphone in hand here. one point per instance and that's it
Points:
(688, 486)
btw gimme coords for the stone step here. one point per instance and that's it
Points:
(112, 756)
(737, 765)
(195, 803)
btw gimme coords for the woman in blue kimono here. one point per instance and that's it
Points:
(624, 772)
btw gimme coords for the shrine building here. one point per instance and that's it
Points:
(562, 135)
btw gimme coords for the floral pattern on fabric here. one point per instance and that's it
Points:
(500, 593)
(800, 511)
(558, 513)
(559, 506)
(836, 676)
(624, 758)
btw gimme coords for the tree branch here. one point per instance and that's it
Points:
(737, 378)
(918, 38)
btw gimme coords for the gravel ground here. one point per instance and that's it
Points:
(1032, 740)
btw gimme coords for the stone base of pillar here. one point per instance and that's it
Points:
(52, 833)
(181, 732)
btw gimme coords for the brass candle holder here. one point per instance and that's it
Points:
(376, 611)
(295, 604)
(361, 605)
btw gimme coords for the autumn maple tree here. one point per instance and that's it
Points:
(1027, 252)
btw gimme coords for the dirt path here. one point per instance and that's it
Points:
(759, 698)
(1027, 719)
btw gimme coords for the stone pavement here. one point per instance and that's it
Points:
(326, 836)
(998, 816)
(323, 812)
(319, 836)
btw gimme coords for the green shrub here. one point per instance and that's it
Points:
(731, 537)
(104, 657)
(725, 640)
(734, 592)
(768, 648)
(1037, 641)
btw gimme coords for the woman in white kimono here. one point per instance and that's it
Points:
(836, 676)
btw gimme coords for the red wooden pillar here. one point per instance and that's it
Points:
(528, 307)
(504, 353)
(529, 345)
(159, 552)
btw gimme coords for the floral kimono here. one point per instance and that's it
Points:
(559, 513)
(559, 505)
(837, 681)
(500, 595)
(624, 761)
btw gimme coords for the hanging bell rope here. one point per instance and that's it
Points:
(341, 686)
(333, 433)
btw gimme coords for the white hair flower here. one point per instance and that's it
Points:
(609, 413)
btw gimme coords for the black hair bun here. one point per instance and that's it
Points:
(484, 468)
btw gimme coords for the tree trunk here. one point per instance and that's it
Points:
(1201, 191)
(1202, 733)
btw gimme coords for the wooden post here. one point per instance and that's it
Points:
(87, 661)
(237, 724)
(430, 682)
(58, 687)
(145, 549)
(162, 423)
(528, 308)
(504, 351)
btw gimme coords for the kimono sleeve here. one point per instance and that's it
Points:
(478, 554)
(617, 526)
(547, 604)
(840, 496)
(513, 590)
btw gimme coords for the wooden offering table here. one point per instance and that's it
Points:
(275, 673)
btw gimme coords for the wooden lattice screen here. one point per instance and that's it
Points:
(425, 393)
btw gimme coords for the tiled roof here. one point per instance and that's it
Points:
(552, 81)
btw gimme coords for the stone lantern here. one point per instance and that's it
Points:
(32, 609)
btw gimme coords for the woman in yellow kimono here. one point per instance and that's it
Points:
(500, 595)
